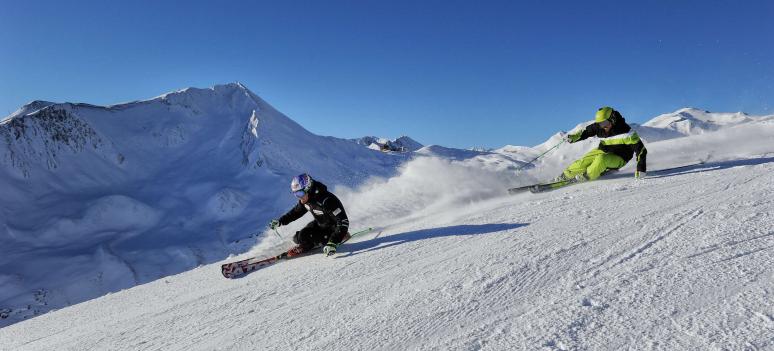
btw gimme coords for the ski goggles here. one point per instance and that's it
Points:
(299, 194)
(606, 123)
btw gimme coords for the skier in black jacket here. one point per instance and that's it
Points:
(618, 144)
(330, 225)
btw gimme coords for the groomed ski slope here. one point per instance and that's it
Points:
(680, 261)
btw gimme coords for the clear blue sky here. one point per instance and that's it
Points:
(453, 73)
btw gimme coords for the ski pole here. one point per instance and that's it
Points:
(276, 232)
(356, 234)
(361, 232)
(541, 155)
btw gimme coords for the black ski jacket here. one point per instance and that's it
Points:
(621, 140)
(326, 208)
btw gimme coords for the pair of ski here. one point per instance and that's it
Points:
(240, 268)
(543, 187)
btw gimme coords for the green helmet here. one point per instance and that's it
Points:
(603, 114)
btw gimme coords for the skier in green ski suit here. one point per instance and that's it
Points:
(618, 144)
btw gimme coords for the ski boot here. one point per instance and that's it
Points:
(296, 251)
(560, 178)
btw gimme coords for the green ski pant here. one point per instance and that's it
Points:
(593, 164)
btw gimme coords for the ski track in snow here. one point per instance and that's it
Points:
(680, 261)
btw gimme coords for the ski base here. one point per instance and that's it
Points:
(240, 268)
(542, 187)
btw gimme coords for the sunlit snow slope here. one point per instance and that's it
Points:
(679, 261)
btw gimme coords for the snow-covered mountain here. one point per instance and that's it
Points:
(691, 121)
(402, 144)
(99, 199)
(679, 261)
(29, 108)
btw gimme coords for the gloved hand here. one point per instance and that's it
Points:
(639, 175)
(329, 249)
(274, 224)
(571, 138)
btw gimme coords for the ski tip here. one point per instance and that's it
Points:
(226, 273)
(513, 191)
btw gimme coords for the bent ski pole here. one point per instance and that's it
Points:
(361, 232)
(541, 155)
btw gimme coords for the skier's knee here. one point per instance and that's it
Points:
(297, 238)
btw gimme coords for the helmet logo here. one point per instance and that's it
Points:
(301, 184)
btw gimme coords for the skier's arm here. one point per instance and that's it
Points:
(630, 138)
(589, 131)
(295, 213)
(634, 140)
(333, 206)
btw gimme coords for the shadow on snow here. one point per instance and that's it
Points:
(379, 243)
(696, 168)
(709, 166)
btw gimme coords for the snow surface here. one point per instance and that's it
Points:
(681, 260)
